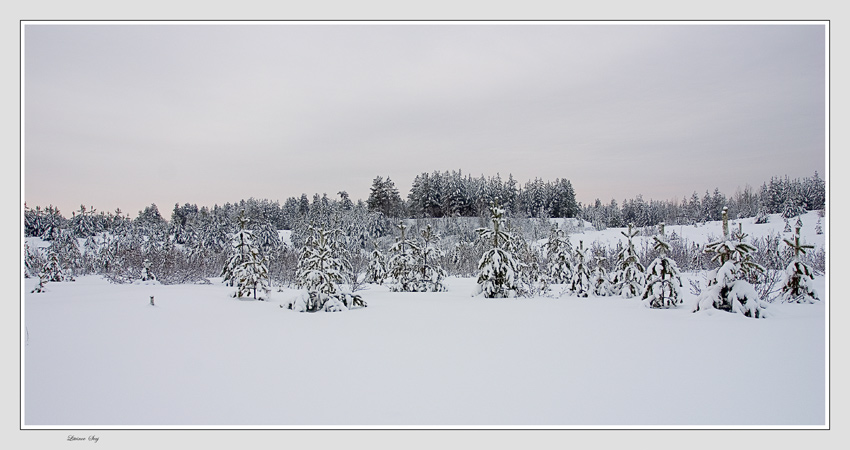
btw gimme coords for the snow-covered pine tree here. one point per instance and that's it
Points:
(377, 270)
(53, 270)
(321, 272)
(797, 286)
(33, 261)
(728, 288)
(246, 269)
(146, 271)
(560, 258)
(68, 250)
(42, 280)
(630, 277)
(663, 280)
(497, 268)
(580, 283)
(762, 216)
(792, 207)
(90, 248)
(600, 284)
(403, 267)
(252, 276)
(432, 274)
(531, 281)
(787, 228)
(267, 237)
(818, 227)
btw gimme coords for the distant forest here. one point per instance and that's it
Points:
(195, 243)
(450, 194)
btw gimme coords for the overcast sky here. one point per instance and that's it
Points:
(126, 115)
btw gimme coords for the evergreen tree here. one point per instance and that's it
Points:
(580, 284)
(403, 267)
(377, 270)
(728, 288)
(267, 237)
(761, 216)
(33, 261)
(559, 255)
(42, 280)
(67, 247)
(629, 279)
(246, 269)
(531, 281)
(663, 280)
(431, 279)
(792, 206)
(146, 271)
(321, 272)
(53, 270)
(384, 197)
(600, 284)
(51, 223)
(497, 268)
(797, 286)
(84, 223)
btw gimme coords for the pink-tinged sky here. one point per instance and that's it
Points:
(125, 115)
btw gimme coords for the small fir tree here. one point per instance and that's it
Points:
(560, 258)
(728, 288)
(762, 216)
(53, 270)
(497, 268)
(432, 273)
(663, 280)
(321, 272)
(791, 207)
(630, 278)
(33, 261)
(601, 284)
(403, 267)
(246, 269)
(797, 286)
(580, 283)
(531, 281)
(42, 280)
(377, 270)
(146, 271)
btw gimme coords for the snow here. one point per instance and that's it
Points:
(100, 354)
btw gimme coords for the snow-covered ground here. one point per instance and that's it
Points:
(99, 354)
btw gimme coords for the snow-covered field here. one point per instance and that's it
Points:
(99, 354)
